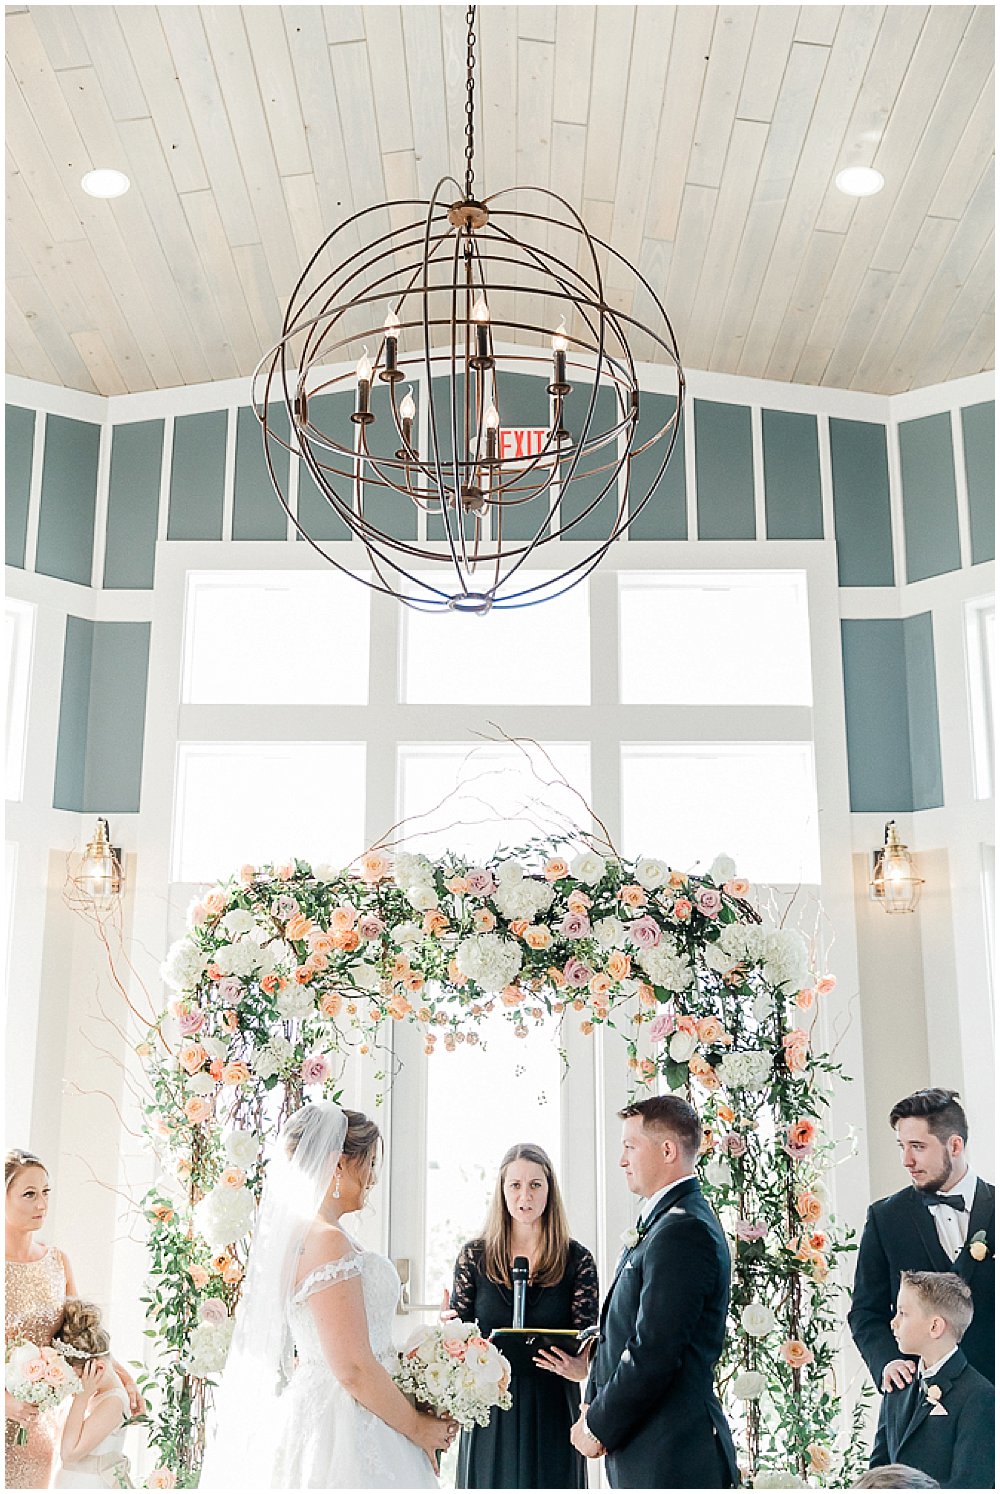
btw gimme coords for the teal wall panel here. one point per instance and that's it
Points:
(197, 477)
(69, 499)
(257, 514)
(978, 439)
(19, 440)
(393, 513)
(930, 504)
(862, 517)
(890, 699)
(331, 414)
(922, 712)
(584, 503)
(133, 505)
(793, 497)
(665, 515)
(723, 446)
(102, 712)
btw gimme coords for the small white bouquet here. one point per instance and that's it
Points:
(39, 1377)
(455, 1371)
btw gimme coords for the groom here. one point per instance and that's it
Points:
(650, 1404)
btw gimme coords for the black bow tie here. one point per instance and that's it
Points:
(953, 1200)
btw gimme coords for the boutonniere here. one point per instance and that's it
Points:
(631, 1237)
(978, 1247)
(933, 1394)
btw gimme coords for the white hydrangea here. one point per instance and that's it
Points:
(665, 967)
(241, 1148)
(294, 1003)
(184, 965)
(224, 1215)
(413, 869)
(723, 869)
(523, 897)
(750, 1069)
(609, 932)
(422, 896)
(786, 960)
(275, 1056)
(209, 1348)
(778, 1478)
(758, 1320)
(588, 867)
(716, 958)
(489, 960)
(407, 933)
(650, 873)
(744, 943)
(237, 921)
(238, 959)
(749, 1385)
(719, 1173)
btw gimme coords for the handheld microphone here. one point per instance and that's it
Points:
(519, 1276)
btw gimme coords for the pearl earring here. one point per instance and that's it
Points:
(336, 1190)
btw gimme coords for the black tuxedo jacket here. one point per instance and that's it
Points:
(900, 1235)
(663, 1324)
(956, 1448)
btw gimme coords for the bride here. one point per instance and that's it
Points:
(306, 1399)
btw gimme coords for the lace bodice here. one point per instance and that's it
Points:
(574, 1302)
(380, 1284)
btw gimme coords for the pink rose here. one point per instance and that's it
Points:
(191, 1022)
(575, 925)
(229, 990)
(198, 914)
(709, 901)
(370, 926)
(750, 1229)
(315, 1069)
(825, 985)
(577, 973)
(661, 1026)
(644, 932)
(481, 881)
(734, 1144)
(213, 1311)
(162, 1478)
(284, 907)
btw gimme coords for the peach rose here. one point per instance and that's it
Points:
(199, 1277)
(820, 1458)
(303, 974)
(796, 1046)
(161, 1478)
(399, 1007)
(459, 886)
(736, 887)
(285, 871)
(703, 1072)
(230, 1020)
(316, 963)
(518, 926)
(298, 926)
(247, 873)
(647, 996)
(347, 941)
(236, 1072)
(375, 867)
(192, 1058)
(344, 917)
(455, 975)
(677, 879)
(331, 1003)
(809, 1207)
(434, 922)
(633, 896)
(802, 1133)
(483, 920)
(232, 1272)
(163, 1212)
(586, 1028)
(725, 1114)
(600, 983)
(536, 936)
(197, 1110)
(270, 984)
(794, 1352)
(555, 977)
(682, 909)
(555, 869)
(320, 942)
(233, 1177)
(710, 1030)
(805, 998)
(511, 996)
(647, 1068)
(825, 985)
(578, 901)
(413, 980)
(619, 964)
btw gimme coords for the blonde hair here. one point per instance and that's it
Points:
(82, 1332)
(498, 1229)
(18, 1161)
(942, 1293)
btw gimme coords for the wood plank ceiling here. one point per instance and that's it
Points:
(702, 141)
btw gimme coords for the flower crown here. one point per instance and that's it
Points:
(69, 1352)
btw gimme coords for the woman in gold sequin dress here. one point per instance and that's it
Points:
(39, 1278)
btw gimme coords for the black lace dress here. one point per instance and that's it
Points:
(527, 1447)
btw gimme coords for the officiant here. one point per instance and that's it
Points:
(527, 1447)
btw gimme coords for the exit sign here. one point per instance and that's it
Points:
(521, 443)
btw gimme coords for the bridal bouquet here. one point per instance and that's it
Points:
(456, 1372)
(40, 1377)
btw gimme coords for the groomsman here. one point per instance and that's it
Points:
(943, 1221)
(650, 1404)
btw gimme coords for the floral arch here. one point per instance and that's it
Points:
(285, 970)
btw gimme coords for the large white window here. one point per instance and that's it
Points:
(980, 632)
(527, 656)
(714, 638)
(275, 638)
(472, 800)
(19, 625)
(240, 802)
(756, 801)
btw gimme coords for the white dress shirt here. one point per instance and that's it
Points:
(953, 1227)
(928, 1371)
(649, 1204)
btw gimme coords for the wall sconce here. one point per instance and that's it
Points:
(102, 874)
(894, 882)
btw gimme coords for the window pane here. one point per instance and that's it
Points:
(474, 800)
(466, 1139)
(980, 632)
(756, 801)
(266, 801)
(714, 638)
(457, 659)
(19, 624)
(275, 638)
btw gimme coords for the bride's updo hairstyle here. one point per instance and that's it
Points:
(81, 1332)
(18, 1161)
(362, 1143)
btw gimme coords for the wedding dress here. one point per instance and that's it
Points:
(327, 1440)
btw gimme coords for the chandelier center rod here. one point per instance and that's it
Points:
(470, 99)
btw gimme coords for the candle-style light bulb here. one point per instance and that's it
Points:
(491, 424)
(480, 311)
(362, 415)
(391, 323)
(390, 371)
(408, 407)
(560, 341)
(364, 368)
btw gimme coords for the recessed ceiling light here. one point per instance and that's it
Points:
(105, 183)
(860, 181)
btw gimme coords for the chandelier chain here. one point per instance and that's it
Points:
(470, 99)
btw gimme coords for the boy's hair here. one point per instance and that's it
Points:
(944, 1293)
(896, 1476)
(940, 1108)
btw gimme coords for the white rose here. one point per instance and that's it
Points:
(238, 921)
(412, 870)
(241, 1148)
(324, 872)
(509, 871)
(609, 932)
(407, 933)
(587, 867)
(422, 897)
(184, 966)
(758, 1320)
(682, 1045)
(749, 1385)
(294, 1002)
(723, 869)
(650, 873)
(216, 1047)
(364, 976)
(719, 1173)
(201, 1084)
(717, 959)
(762, 1006)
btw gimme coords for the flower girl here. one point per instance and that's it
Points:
(94, 1434)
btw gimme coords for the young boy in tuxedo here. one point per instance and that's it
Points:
(943, 1421)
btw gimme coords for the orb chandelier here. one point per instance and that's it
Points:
(489, 307)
